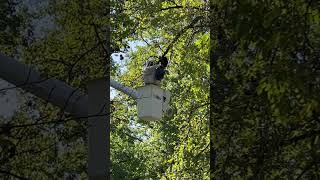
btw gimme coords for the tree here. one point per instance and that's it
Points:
(172, 148)
(265, 118)
(259, 58)
(12, 24)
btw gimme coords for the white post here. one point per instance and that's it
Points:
(99, 130)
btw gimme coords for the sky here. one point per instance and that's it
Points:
(133, 47)
(9, 100)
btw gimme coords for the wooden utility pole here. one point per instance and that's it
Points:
(99, 129)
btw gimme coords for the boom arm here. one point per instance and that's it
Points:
(129, 91)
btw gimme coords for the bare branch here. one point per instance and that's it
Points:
(54, 121)
(180, 33)
(171, 7)
(13, 175)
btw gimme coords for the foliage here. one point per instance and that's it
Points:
(178, 147)
(253, 64)
(12, 24)
(265, 67)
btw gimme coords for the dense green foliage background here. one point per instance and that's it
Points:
(244, 76)
(265, 108)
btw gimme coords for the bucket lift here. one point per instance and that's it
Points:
(152, 100)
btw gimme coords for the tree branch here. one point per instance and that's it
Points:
(54, 121)
(13, 175)
(171, 7)
(180, 33)
(295, 139)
